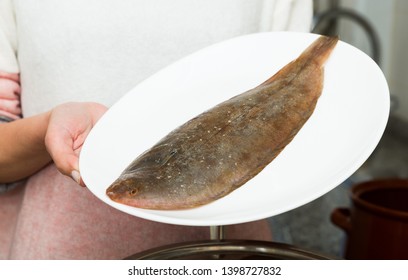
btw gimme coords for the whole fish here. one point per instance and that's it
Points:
(219, 150)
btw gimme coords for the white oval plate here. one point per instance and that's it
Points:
(346, 126)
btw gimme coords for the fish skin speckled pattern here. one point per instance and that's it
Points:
(219, 150)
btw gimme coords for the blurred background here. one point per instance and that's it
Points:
(379, 28)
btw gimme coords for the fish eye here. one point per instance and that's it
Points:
(133, 192)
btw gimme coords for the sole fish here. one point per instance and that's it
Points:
(219, 150)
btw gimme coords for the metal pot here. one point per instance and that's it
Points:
(227, 249)
(377, 221)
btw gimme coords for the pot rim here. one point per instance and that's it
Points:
(368, 186)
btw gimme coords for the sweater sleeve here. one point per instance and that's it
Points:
(8, 38)
(301, 16)
(287, 15)
(9, 77)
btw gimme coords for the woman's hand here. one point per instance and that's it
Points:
(69, 125)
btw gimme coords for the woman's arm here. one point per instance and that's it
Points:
(27, 145)
(22, 147)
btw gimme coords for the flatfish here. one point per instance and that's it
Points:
(218, 151)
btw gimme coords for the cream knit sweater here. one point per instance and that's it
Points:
(97, 50)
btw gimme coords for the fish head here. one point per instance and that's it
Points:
(122, 189)
(136, 193)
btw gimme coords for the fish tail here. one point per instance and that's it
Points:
(318, 52)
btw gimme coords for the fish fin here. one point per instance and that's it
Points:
(151, 160)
